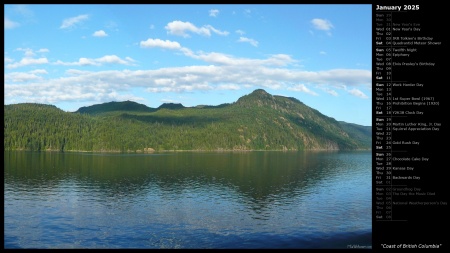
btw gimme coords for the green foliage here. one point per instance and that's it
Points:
(258, 121)
(172, 106)
(115, 106)
(358, 132)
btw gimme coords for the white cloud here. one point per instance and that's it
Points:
(20, 77)
(7, 59)
(357, 93)
(189, 78)
(160, 43)
(321, 24)
(180, 88)
(164, 81)
(86, 61)
(28, 52)
(38, 71)
(23, 10)
(81, 62)
(99, 33)
(228, 87)
(76, 72)
(43, 50)
(330, 91)
(88, 85)
(25, 76)
(302, 88)
(181, 28)
(213, 13)
(9, 24)
(67, 90)
(27, 61)
(322, 53)
(216, 71)
(219, 58)
(70, 22)
(108, 59)
(240, 32)
(20, 11)
(223, 33)
(111, 25)
(112, 59)
(251, 41)
(129, 59)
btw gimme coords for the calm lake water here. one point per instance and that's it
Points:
(188, 200)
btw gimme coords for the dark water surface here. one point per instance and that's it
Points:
(188, 200)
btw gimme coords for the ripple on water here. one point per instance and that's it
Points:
(192, 207)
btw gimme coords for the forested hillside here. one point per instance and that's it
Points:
(258, 121)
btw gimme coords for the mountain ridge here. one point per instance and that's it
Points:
(134, 106)
(114, 106)
(256, 121)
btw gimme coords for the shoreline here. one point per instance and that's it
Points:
(181, 151)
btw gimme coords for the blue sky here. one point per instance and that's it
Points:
(78, 55)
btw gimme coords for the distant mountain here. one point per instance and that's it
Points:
(358, 132)
(126, 106)
(115, 106)
(257, 121)
(171, 106)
